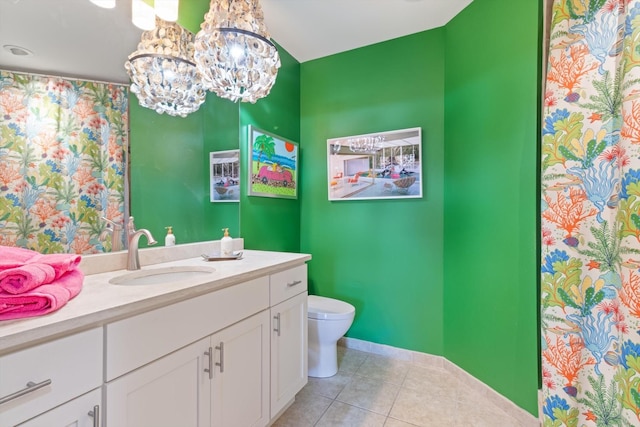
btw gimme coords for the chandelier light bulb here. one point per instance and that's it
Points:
(236, 52)
(167, 10)
(143, 15)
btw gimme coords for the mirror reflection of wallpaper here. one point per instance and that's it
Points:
(63, 147)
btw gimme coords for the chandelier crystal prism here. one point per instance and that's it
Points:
(162, 72)
(234, 53)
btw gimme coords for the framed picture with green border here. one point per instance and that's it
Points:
(273, 165)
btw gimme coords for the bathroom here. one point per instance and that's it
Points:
(452, 274)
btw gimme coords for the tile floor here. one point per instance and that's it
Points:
(371, 390)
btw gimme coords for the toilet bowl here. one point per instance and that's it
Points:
(328, 319)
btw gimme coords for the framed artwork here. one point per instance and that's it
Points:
(224, 175)
(273, 165)
(383, 165)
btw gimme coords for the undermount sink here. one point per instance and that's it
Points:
(156, 276)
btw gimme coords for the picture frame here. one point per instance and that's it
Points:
(381, 165)
(272, 165)
(224, 176)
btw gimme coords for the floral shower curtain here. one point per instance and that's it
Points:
(63, 146)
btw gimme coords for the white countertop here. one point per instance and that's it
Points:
(100, 302)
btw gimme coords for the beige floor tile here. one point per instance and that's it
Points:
(423, 410)
(482, 414)
(328, 387)
(384, 369)
(307, 409)
(434, 382)
(371, 390)
(397, 423)
(370, 394)
(349, 360)
(467, 395)
(341, 414)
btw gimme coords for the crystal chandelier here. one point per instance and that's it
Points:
(234, 53)
(162, 72)
(365, 144)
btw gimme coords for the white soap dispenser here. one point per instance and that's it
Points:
(170, 238)
(226, 244)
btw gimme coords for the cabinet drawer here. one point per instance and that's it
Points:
(141, 339)
(288, 283)
(73, 364)
(77, 413)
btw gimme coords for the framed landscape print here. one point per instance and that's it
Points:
(273, 165)
(383, 165)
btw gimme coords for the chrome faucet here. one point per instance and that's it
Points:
(115, 231)
(133, 236)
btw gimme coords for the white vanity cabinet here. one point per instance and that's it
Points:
(240, 374)
(234, 356)
(51, 375)
(162, 366)
(221, 380)
(288, 293)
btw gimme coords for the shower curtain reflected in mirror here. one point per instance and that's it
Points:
(590, 215)
(63, 147)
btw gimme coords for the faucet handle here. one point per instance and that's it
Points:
(115, 225)
(131, 228)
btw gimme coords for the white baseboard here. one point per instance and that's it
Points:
(429, 360)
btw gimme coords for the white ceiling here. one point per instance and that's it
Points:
(311, 29)
(75, 38)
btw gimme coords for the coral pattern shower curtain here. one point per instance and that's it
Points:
(63, 146)
(590, 216)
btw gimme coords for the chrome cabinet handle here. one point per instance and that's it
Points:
(221, 364)
(277, 319)
(95, 414)
(31, 387)
(210, 354)
(294, 283)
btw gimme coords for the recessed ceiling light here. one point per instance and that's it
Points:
(17, 50)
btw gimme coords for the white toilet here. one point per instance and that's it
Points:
(329, 319)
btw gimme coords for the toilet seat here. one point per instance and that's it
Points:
(322, 308)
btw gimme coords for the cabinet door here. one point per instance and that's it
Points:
(169, 392)
(288, 350)
(241, 375)
(80, 412)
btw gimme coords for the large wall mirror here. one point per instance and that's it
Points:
(77, 40)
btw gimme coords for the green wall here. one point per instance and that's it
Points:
(383, 256)
(271, 223)
(491, 129)
(454, 273)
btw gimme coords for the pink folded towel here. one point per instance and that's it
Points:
(61, 263)
(11, 256)
(22, 279)
(43, 299)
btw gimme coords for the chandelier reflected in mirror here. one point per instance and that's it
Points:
(234, 53)
(365, 144)
(162, 71)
